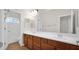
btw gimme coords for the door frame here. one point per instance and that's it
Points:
(20, 37)
(71, 14)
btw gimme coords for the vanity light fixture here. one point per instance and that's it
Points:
(32, 15)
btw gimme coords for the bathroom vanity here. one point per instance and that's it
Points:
(50, 41)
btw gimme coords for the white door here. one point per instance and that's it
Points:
(12, 27)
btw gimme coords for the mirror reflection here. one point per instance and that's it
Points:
(55, 20)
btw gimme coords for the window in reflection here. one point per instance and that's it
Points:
(11, 20)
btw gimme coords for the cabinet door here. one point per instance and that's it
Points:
(25, 39)
(73, 47)
(35, 47)
(43, 40)
(45, 45)
(36, 42)
(59, 45)
(77, 47)
(52, 43)
(62, 46)
(29, 43)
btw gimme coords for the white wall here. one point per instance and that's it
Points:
(0, 26)
(50, 19)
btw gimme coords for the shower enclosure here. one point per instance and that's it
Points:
(10, 28)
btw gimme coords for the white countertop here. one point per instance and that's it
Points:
(67, 38)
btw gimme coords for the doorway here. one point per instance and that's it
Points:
(12, 27)
(66, 24)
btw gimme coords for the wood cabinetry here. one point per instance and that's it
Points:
(25, 39)
(45, 45)
(73, 47)
(77, 47)
(39, 43)
(28, 41)
(62, 46)
(36, 43)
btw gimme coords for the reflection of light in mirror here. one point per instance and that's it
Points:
(31, 15)
(34, 13)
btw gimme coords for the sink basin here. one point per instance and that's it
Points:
(60, 36)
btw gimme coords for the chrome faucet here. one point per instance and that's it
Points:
(77, 42)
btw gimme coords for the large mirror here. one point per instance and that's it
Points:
(58, 20)
(52, 20)
(30, 20)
